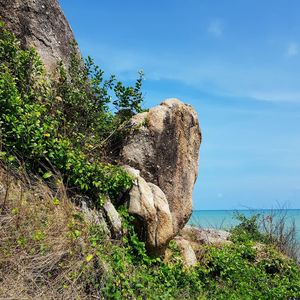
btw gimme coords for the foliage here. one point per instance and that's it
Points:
(280, 230)
(51, 125)
(271, 229)
(247, 229)
(86, 98)
(235, 271)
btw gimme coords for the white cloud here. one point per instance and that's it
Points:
(216, 28)
(292, 49)
(276, 96)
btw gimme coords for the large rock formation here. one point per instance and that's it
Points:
(42, 25)
(164, 146)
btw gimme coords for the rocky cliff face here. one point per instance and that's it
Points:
(42, 25)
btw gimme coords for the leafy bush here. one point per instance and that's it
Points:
(237, 272)
(274, 229)
(86, 101)
(247, 229)
(51, 125)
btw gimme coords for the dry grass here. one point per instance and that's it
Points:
(281, 231)
(42, 241)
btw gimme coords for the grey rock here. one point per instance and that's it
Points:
(40, 24)
(113, 219)
(95, 217)
(205, 236)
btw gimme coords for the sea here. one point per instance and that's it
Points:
(225, 219)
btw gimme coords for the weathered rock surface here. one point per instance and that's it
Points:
(113, 219)
(205, 236)
(42, 25)
(164, 146)
(153, 219)
(107, 218)
(95, 217)
(186, 251)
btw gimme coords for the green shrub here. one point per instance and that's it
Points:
(235, 271)
(247, 229)
(50, 125)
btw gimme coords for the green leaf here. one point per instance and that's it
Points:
(89, 257)
(47, 175)
(11, 158)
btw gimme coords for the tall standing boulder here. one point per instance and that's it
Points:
(164, 146)
(40, 24)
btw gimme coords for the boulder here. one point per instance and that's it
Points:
(40, 24)
(113, 219)
(95, 217)
(153, 219)
(187, 253)
(164, 145)
(205, 236)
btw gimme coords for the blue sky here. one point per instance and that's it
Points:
(236, 61)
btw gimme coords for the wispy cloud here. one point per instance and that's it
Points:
(212, 75)
(216, 28)
(276, 96)
(292, 49)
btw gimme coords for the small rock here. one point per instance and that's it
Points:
(186, 250)
(113, 219)
(205, 236)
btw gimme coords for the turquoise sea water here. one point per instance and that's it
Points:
(225, 218)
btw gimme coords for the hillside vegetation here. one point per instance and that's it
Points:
(59, 141)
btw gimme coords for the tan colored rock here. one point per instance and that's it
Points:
(40, 24)
(205, 236)
(153, 219)
(164, 229)
(186, 251)
(164, 146)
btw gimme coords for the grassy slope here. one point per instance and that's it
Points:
(49, 250)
